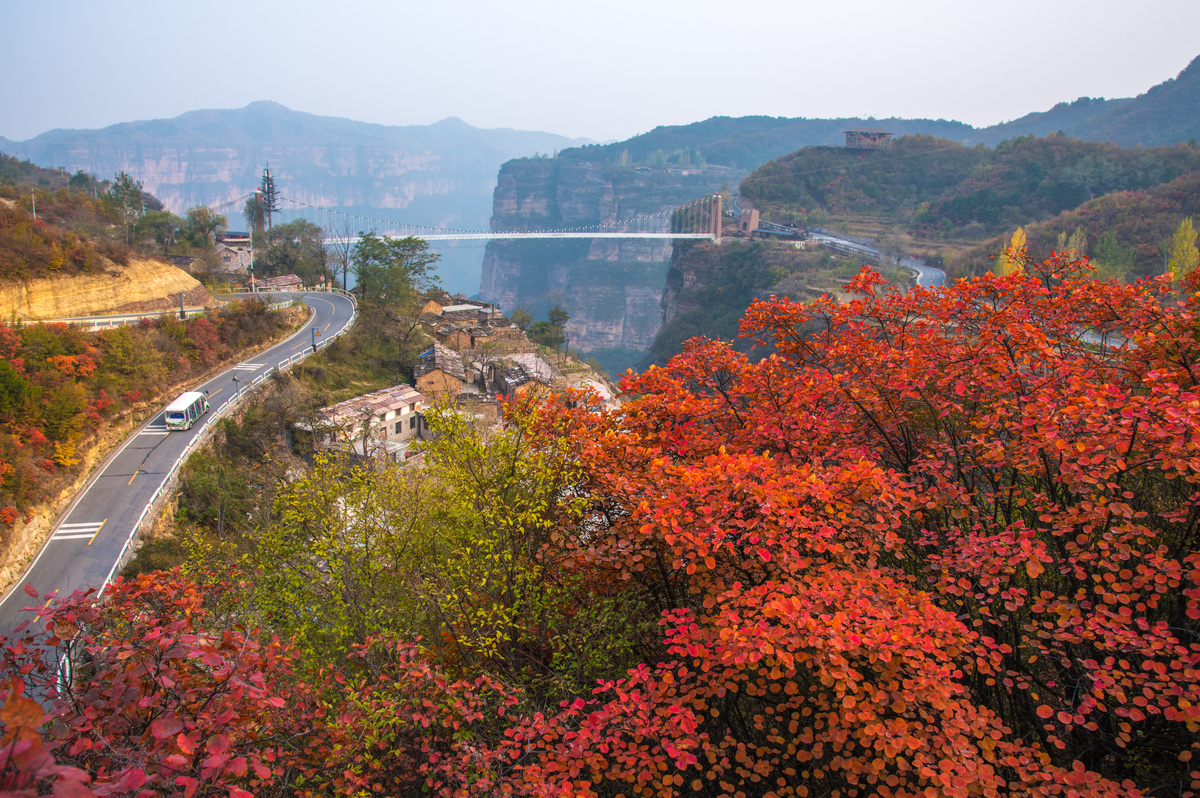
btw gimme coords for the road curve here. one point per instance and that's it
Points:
(927, 276)
(90, 538)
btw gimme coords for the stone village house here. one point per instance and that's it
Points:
(380, 425)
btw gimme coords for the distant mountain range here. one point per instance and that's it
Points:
(1168, 113)
(444, 174)
(440, 175)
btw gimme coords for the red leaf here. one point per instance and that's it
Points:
(65, 787)
(131, 780)
(166, 726)
(219, 744)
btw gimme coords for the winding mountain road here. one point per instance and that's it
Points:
(927, 276)
(95, 536)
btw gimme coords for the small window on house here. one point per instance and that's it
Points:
(399, 426)
(412, 422)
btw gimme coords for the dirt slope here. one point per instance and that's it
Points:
(143, 285)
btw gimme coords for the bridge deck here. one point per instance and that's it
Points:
(515, 236)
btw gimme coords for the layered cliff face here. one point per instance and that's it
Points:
(612, 288)
(439, 175)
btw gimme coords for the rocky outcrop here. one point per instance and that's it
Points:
(692, 268)
(141, 286)
(612, 288)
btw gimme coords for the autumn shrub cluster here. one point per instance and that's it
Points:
(937, 543)
(32, 248)
(60, 385)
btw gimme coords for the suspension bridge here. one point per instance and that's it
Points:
(698, 219)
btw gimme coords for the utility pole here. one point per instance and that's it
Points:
(252, 256)
(315, 333)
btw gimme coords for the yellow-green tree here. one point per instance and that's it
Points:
(492, 588)
(457, 551)
(339, 562)
(1010, 260)
(1184, 255)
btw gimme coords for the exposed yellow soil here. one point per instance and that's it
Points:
(143, 285)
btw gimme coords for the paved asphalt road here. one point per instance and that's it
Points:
(927, 276)
(86, 546)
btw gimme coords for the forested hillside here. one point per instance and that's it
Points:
(1126, 234)
(746, 142)
(937, 189)
(69, 236)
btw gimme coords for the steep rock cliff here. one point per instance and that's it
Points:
(709, 287)
(611, 287)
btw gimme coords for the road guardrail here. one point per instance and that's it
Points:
(226, 407)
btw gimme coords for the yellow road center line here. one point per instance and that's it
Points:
(132, 478)
(102, 523)
(214, 393)
(44, 606)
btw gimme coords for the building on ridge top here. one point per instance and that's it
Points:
(868, 138)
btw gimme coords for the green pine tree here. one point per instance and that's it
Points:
(270, 196)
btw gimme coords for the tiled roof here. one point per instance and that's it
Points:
(378, 402)
(440, 358)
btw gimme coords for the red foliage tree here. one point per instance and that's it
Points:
(163, 698)
(939, 540)
(153, 691)
(940, 543)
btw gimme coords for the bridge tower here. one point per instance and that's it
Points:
(715, 216)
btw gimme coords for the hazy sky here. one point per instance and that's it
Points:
(604, 70)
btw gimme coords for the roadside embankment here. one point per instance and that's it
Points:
(143, 285)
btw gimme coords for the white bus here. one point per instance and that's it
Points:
(183, 412)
